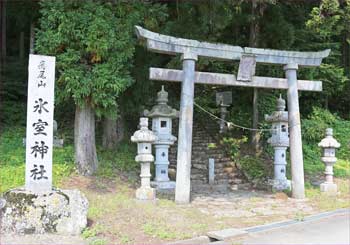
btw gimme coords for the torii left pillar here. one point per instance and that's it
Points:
(184, 150)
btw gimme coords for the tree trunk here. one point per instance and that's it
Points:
(32, 38)
(3, 29)
(109, 136)
(113, 132)
(84, 140)
(21, 45)
(120, 128)
(255, 134)
(253, 42)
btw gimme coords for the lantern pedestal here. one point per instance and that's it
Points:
(146, 193)
(280, 185)
(164, 185)
(328, 187)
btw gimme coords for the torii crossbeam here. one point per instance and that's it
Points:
(190, 50)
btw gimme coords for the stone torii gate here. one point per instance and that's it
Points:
(190, 50)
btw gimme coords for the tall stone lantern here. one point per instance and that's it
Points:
(162, 115)
(144, 139)
(279, 141)
(328, 145)
(224, 100)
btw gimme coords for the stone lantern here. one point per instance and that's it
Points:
(224, 100)
(144, 139)
(328, 145)
(279, 141)
(162, 115)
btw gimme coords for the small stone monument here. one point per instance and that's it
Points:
(224, 100)
(279, 141)
(144, 139)
(40, 208)
(328, 145)
(162, 115)
(57, 142)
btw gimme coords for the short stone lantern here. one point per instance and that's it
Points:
(224, 100)
(144, 139)
(162, 115)
(328, 145)
(279, 141)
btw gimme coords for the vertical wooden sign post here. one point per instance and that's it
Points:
(40, 108)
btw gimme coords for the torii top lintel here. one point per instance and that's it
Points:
(171, 45)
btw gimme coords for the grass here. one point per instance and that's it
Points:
(326, 202)
(115, 216)
(12, 160)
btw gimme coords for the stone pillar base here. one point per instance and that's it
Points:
(329, 187)
(163, 185)
(146, 193)
(280, 185)
(57, 211)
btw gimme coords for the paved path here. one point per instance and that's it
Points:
(327, 230)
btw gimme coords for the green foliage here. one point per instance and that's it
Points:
(122, 158)
(93, 45)
(234, 145)
(327, 18)
(313, 130)
(253, 168)
(12, 160)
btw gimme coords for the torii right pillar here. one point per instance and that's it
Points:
(296, 147)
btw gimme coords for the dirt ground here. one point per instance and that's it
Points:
(115, 216)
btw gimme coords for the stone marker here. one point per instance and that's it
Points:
(190, 51)
(38, 208)
(279, 141)
(162, 115)
(211, 171)
(40, 108)
(144, 139)
(56, 141)
(328, 145)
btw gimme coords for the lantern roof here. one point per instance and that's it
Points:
(144, 135)
(280, 115)
(162, 109)
(329, 141)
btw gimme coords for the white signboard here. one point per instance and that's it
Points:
(40, 107)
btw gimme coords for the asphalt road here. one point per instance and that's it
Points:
(334, 229)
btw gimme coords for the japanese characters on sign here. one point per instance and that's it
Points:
(40, 108)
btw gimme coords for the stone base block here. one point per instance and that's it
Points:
(163, 185)
(57, 211)
(280, 185)
(147, 193)
(329, 187)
